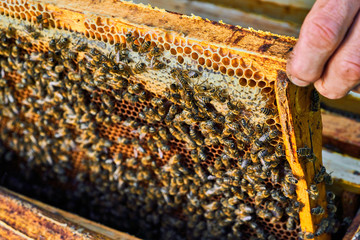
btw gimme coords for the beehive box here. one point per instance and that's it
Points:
(47, 222)
(175, 126)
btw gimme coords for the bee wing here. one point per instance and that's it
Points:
(161, 154)
(135, 152)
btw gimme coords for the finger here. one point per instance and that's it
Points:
(323, 30)
(343, 70)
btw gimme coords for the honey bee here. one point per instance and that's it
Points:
(182, 80)
(3, 81)
(233, 108)
(95, 54)
(134, 88)
(305, 152)
(131, 123)
(319, 176)
(62, 43)
(175, 97)
(100, 116)
(87, 87)
(203, 99)
(193, 74)
(106, 99)
(119, 47)
(52, 44)
(163, 146)
(213, 206)
(200, 172)
(324, 224)
(131, 98)
(263, 213)
(276, 210)
(145, 46)
(267, 111)
(315, 101)
(268, 136)
(279, 150)
(200, 89)
(290, 223)
(164, 134)
(228, 142)
(246, 127)
(70, 65)
(330, 197)
(140, 67)
(154, 52)
(328, 180)
(202, 154)
(331, 208)
(173, 109)
(292, 211)
(70, 55)
(175, 159)
(275, 176)
(290, 179)
(151, 144)
(121, 82)
(124, 140)
(137, 147)
(277, 195)
(157, 102)
(262, 154)
(134, 47)
(240, 136)
(152, 115)
(313, 192)
(221, 96)
(196, 136)
(143, 130)
(188, 100)
(225, 160)
(317, 210)
(211, 142)
(14, 51)
(59, 68)
(176, 133)
(245, 208)
(129, 38)
(81, 47)
(11, 32)
(157, 65)
(194, 156)
(30, 30)
(39, 18)
(123, 56)
(288, 190)
(174, 88)
(74, 77)
(233, 127)
(237, 193)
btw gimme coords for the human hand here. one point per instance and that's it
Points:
(328, 50)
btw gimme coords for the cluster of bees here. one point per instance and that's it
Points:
(74, 89)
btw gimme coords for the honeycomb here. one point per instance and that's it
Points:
(171, 135)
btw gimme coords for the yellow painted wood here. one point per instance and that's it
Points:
(297, 122)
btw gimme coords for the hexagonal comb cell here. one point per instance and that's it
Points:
(185, 133)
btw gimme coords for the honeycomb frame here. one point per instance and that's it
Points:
(248, 60)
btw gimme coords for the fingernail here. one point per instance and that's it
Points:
(298, 82)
